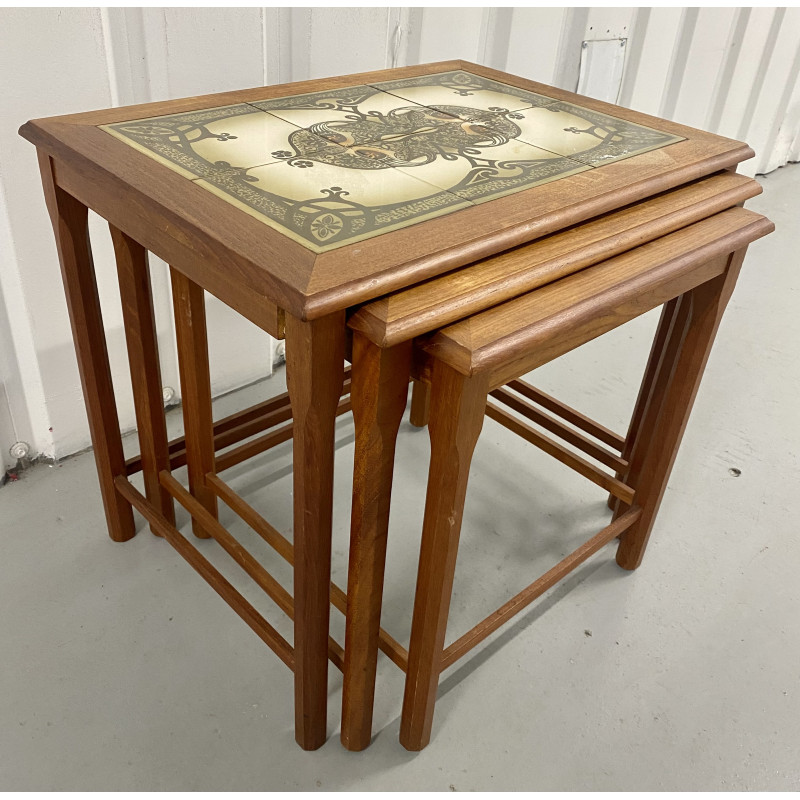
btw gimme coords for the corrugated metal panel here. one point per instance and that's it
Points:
(732, 71)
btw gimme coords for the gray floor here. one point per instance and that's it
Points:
(122, 670)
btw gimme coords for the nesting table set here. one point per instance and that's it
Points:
(447, 224)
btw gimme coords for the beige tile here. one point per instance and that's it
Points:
(460, 91)
(423, 136)
(190, 172)
(166, 139)
(350, 116)
(448, 100)
(587, 136)
(191, 142)
(245, 141)
(326, 205)
(562, 132)
(496, 171)
(367, 187)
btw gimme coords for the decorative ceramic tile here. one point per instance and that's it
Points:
(455, 91)
(332, 168)
(615, 138)
(330, 204)
(500, 168)
(196, 143)
(356, 115)
(583, 135)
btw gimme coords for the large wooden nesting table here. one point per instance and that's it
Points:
(295, 205)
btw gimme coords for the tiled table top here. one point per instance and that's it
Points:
(332, 168)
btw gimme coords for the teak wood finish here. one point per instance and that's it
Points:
(288, 290)
(195, 376)
(180, 221)
(491, 281)
(518, 336)
(692, 271)
(142, 342)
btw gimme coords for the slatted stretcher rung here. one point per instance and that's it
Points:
(284, 548)
(555, 426)
(524, 598)
(562, 454)
(280, 596)
(243, 558)
(263, 443)
(210, 574)
(241, 425)
(569, 414)
(268, 414)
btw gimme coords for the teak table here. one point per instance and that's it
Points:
(294, 204)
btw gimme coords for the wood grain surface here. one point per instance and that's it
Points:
(191, 336)
(487, 283)
(379, 393)
(314, 376)
(71, 228)
(242, 259)
(517, 336)
(457, 412)
(141, 339)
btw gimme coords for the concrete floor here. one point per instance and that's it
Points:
(122, 670)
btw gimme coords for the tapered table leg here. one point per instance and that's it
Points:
(192, 341)
(457, 411)
(650, 374)
(683, 360)
(314, 374)
(70, 224)
(142, 341)
(379, 392)
(420, 404)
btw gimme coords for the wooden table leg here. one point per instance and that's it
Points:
(314, 374)
(379, 392)
(420, 404)
(142, 341)
(70, 224)
(198, 422)
(664, 420)
(650, 373)
(457, 410)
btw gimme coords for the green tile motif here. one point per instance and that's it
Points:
(336, 167)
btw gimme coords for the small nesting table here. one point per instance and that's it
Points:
(295, 205)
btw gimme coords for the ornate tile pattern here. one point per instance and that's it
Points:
(333, 168)
(465, 90)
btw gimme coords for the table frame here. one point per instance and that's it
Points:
(286, 290)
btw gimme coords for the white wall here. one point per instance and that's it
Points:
(733, 71)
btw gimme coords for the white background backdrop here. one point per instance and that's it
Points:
(732, 71)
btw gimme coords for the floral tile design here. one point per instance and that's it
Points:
(497, 169)
(462, 90)
(335, 167)
(195, 142)
(348, 116)
(584, 135)
(317, 206)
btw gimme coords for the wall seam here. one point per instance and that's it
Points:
(633, 56)
(761, 74)
(733, 48)
(677, 68)
(780, 115)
